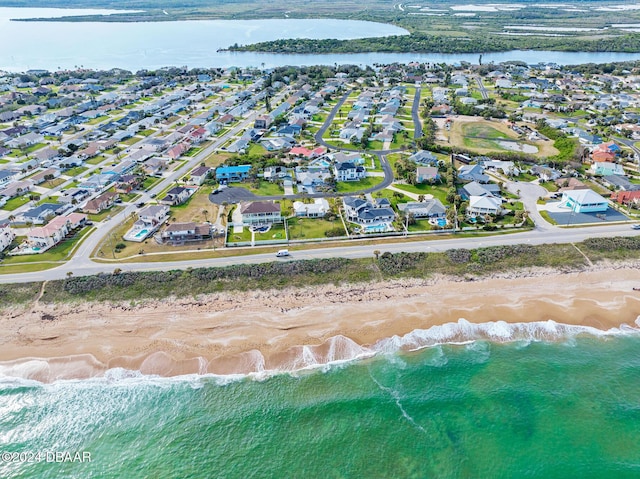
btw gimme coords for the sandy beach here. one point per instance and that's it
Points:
(282, 330)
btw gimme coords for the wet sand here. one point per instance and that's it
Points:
(241, 333)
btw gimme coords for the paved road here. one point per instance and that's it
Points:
(483, 90)
(534, 237)
(415, 113)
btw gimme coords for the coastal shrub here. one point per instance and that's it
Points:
(393, 264)
(459, 255)
(494, 254)
(609, 244)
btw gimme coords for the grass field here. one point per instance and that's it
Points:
(311, 228)
(16, 202)
(266, 188)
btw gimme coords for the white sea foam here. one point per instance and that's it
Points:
(338, 351)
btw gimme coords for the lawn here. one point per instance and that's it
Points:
(357, 186)
(311, 228)
(198, 208)
(149, 182)
(96, 120)
(16, 202)
(76, 171)
(131, 141)
(96, 160)
(147, 132)
(53, 183)
(266, 188)
(438, 191)
(2, 161)
(59, 252)
(103, 214)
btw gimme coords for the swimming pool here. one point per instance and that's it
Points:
(141, 234)
(320, 163)
(379, 228)
(442, 222)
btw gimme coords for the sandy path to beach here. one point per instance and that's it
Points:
(245, 332)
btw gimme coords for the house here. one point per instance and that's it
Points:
(97, 182)
(311, 178)
(16, 188)
(507, 168)
(177, 195)
(584, 201)
(45, 237)
(472, 173)
(427, 174)
(478, 189)
(364, 212)
(199, 175)
(545, 173)
(279, 143)
(260, 213)
(602, 156)
(318, 209)
(73, 196)
(100, 203)
(348, 171)
(605, 169)
(24, 141)
(150, 219)
(128, 183)
(6, 176)
(177, 151)
(45, 175)
(482, 205)
(273, 173)
(626, 197)
(425, 158)
(232, 174)
(40, 214)
(179, 233)
(6, 236)
(430, 208)
(262, 122)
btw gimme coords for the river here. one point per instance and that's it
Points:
(133, 46)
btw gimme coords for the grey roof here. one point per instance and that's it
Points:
(430, 207)
(476, 189)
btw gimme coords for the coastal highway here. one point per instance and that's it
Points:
(84, 266)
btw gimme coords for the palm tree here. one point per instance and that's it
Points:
(205, 213)
(376, 253)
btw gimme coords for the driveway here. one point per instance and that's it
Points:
(529, 193)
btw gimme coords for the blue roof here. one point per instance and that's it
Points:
(233, 169)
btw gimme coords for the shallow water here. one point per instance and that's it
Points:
(569, 407)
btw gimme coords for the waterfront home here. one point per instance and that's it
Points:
(260, 213)
(100, 203)
(348, 171)
(431, 208)
(177, 195)
(605, 169)
(179, 233)
(199, 175)
(483, 205)
(6, 236)
(364, 212)
(584, 201)
(232, 174)
(45, 237)
(149, 221)
(427, 174)
(318, 209)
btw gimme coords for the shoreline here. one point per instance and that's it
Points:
(296, 328)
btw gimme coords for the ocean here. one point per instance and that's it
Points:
(560, 407)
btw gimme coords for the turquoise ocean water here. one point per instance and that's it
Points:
(520, 409)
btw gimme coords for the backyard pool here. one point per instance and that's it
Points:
(141, 234)
(379, 228)
(442, 222)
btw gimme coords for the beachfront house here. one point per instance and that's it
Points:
(483, 205)
(149, 221)
(180, 233)
(260, 213)
(584, 201)
(318, 209)
(364, 212)
(431, 208)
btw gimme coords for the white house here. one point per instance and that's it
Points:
(260, 213)
(482, 205)
(347, 171)
(6, 236)
(149, 220)
(317, 209)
